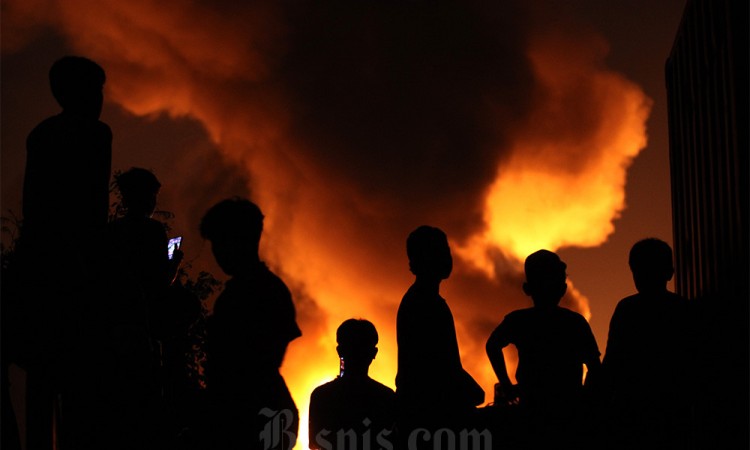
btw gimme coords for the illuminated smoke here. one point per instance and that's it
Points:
(351, 124)
(564, 183)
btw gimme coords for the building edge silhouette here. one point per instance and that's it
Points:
(707, 91)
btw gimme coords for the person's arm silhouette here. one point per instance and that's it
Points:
(495, 344)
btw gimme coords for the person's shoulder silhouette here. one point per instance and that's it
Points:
(69, 155)
(352, 411)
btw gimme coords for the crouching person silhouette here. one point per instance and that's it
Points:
(252, 323)
(353, 411)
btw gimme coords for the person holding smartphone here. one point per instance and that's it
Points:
(141, 274)
(140, 240)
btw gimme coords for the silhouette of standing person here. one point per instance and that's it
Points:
(554, 344)
(65, 208)
(647, 366)
(252, 324)
(433, 391)
(137, 312)
(141, 243)
(353, 411)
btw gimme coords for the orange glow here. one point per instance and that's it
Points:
(561, 184)
(334, 272)
(306, 368)
(562, 187)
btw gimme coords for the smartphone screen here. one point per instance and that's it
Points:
(173, 245)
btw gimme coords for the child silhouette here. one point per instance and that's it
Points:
(352, 408)
(553, 345)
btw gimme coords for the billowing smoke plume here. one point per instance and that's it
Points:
(351, 123)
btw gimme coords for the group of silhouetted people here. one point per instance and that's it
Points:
(94, 311)
(638, 397)
(98, 313)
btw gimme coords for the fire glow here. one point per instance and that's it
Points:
(556, 169)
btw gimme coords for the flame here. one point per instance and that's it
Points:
(560, 183)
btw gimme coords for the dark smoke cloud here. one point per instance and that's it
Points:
(407, 104)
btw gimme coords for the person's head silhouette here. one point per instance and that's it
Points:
(77, 85)
(234, 227)
(650, 262)
(357, 341)
(429, 253)
(138, 189)
(545, 278)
